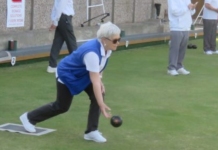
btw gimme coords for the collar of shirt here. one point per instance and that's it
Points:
(108, 54)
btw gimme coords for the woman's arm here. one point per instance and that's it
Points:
(102, 84)
(97, 88)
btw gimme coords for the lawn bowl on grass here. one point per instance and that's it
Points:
(116, 121)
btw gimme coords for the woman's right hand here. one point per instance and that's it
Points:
(105, 111)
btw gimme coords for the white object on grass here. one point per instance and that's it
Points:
(127, 43)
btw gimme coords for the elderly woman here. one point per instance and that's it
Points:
(77, 72)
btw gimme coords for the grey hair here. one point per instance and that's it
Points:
(107, 30)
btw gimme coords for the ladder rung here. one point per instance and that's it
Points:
(89, 6)
(95, 5)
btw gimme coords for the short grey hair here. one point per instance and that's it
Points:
(107, 30)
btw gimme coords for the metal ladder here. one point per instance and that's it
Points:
(96, 5)
(89, 6)
(199, 16)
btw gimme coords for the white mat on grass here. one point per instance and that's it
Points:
(17, 128)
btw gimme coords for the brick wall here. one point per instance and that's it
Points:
(37, 12)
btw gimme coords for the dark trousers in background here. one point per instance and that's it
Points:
(178, 46)
(62, 105)
(63, 33)
(210, 29)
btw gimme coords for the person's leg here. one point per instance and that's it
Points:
(175, 37)
(66, 28)
(92, 132)
(207, 35)
(94, 111)
(182, 49)
(213, 35)
(61, 105)
(56, 47)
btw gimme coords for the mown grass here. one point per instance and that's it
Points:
(159, 112)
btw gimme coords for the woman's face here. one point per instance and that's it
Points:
(112, 42)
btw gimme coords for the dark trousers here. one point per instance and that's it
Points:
(62, 105)
(210, 28)
(63, 32)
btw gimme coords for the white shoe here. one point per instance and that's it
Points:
(215, 52)
(172, 72)
(209, 52)
(26, 124)
(95, 136)
(183, 71)
(51, 69)
(99, 132)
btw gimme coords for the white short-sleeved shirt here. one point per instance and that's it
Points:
(209, 14)
(61, 6)
(91, 61)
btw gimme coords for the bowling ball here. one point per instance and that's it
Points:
(116, 121)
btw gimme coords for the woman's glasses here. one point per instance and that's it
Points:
(114, 41)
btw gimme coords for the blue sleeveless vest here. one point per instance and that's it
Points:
(72, 70)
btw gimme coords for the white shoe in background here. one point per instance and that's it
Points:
(172, 72)
(51, 69)
(209, 52)
(215, 52)
(183, 71)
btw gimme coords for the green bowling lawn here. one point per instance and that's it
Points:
(160, 112)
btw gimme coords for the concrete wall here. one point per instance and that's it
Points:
(37, 18)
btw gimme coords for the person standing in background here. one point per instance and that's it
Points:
(62, 14)
(180, 19)
(210, 14)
